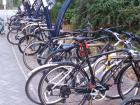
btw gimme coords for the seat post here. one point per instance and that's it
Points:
(88, 62)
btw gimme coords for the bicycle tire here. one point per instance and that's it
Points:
(120, 80)
(27, 38)
(13, 38)
(113, 79)
(109, 72)
(33, 75)
(131, 101)
(26, 54)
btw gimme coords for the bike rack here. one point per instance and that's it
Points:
(37, 5)
(59, 18)
(27, 8)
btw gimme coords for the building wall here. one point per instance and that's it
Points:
(1, 6)
(10, 4)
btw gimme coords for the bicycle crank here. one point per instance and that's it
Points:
(98, 93)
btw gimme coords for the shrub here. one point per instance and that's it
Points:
(103, 13)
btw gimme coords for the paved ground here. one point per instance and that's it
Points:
(13, 76)
(12, 81)
(7, 13)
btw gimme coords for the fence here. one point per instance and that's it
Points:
(67, 27)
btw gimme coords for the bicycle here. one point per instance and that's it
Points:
(98, 88)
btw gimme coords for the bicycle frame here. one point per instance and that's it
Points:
(93, 82)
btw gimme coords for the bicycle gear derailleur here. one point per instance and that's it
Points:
(65, 91)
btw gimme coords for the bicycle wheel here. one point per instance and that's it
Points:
(30, 54)
(109, 79)
(127, 81)
(131, 101)
(57, 85)
(14, 36)
(15, 23)
(108, 76)
(31, 87)
(26, 40)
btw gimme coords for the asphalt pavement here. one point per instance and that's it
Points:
(12, 80)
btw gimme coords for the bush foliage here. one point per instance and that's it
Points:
(103, 13)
